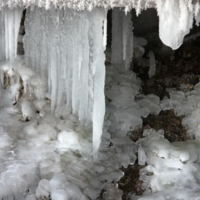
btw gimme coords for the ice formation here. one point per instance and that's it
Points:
(179, 13)
(52, 155)
(152, 64)
(172, 170)
(10, 23)
(73, 66)
(122, 36)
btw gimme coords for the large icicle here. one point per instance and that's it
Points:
(70, 59)
(10, 22)
(175, 21)
(2, 36)
(105, 30)
(117, 35)
(122, 38)
(99, 76)
(127, 40)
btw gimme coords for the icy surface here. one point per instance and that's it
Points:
(52, 155)
(172, 167)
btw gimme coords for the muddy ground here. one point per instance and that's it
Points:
(173, 68)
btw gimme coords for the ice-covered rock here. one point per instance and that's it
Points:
(43, 189)
(68, 140)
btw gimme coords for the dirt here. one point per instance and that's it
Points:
(172, 70)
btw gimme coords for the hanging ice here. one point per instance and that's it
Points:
(70, 59)
(117, 35)
(175, 21)
(152, 65)
(128, 40)
(122, 38)
(10, 22)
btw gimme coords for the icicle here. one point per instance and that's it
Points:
(175, 21)
(2, 36)
(105, 30)
(152, 68)
(127, 40)
(142, 158)
(69, 52)
(197, 13)
(54, 58)
(99, 78)
(83, 111)
(117, 27)
(125, 30)
(12, 24)
(76, 64)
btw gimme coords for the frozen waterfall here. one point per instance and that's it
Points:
(66, 48)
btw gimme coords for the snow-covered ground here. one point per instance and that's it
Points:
(49, 154)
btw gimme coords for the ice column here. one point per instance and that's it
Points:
(2, 35)
(98, 69)
(65, 47)
(127, 40)
(9, 28)
(122, 38)
(117, 35)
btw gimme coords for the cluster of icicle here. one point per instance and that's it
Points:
(10, 23)
(66, 48)
(175, 20)
(82, 4)
(175, 16)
